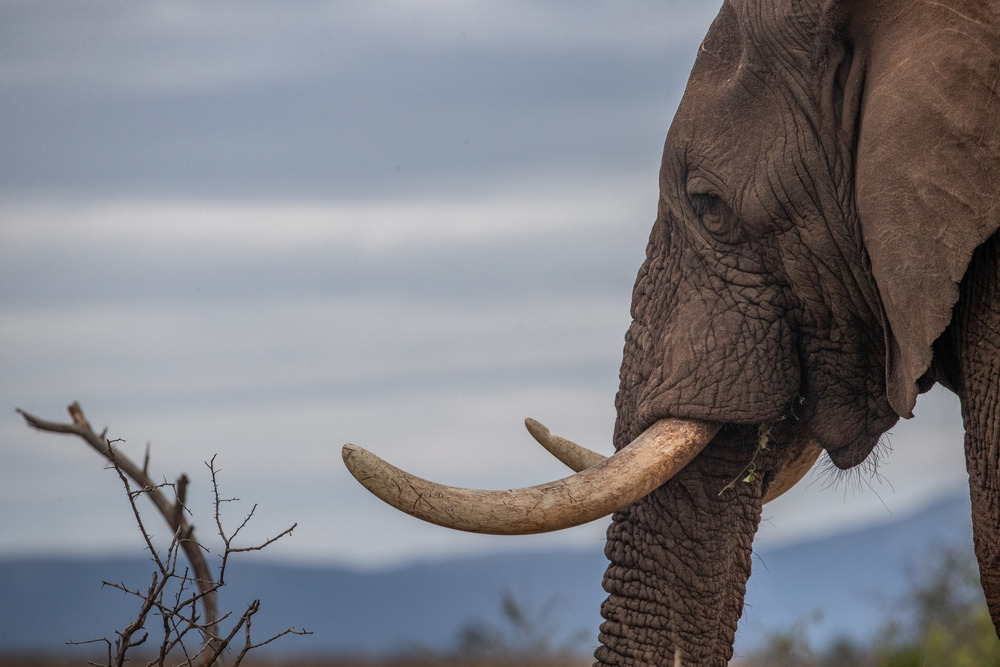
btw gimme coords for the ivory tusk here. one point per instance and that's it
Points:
(794, 468)
(616, 482)
(578, 458)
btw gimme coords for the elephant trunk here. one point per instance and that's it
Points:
(679, 563)
(976, 340)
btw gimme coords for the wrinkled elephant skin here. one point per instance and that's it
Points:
(826, 182)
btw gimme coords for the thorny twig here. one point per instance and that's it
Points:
(175, 623)
(174, 518)
(228, 539)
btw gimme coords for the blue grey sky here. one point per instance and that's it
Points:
(263, 229)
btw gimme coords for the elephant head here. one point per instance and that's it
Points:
(825, 249)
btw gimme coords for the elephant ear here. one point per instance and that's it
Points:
(928, 168)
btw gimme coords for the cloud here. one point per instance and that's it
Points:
(377, 226)
(272, 334)
(179, 46)
(260, 229)
(332, 100)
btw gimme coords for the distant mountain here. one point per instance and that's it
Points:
(848, 584)
(841, 585)
(46, 602)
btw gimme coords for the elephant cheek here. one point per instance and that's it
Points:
(846, 410)
(849, 440)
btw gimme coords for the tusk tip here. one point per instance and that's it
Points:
(536, 428)
(358, 460)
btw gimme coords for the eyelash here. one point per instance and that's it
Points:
(704, 204)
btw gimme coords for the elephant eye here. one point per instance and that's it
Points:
(714, 215)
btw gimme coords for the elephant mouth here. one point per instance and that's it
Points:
(600, 486)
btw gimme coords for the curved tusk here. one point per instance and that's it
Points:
(578, 458)
(794, 468)
(620, 480)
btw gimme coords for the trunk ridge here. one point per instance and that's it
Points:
(976, 335)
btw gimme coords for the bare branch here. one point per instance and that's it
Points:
(227, 538)
(176, 520)
(250, 646)
(286, 531)
(178, 611)
(245, 622)
(96, 641)
(124, 641)
(138, 517)
(181, 492)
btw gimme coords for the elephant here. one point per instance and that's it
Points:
(825, 249)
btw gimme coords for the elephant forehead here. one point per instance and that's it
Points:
(766, 36)
(786, 34)
(743, 126)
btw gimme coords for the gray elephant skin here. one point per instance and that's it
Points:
(825, 249)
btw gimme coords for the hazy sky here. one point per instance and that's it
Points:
(263, 229)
